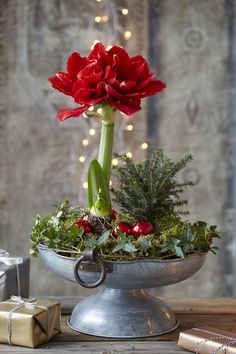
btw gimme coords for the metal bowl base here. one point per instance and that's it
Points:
(123, 308)
(122, 313)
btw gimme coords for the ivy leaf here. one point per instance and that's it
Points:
(173, 244)
(90, 243)
(75, 232)
(129, 247)
(144, 243)
(189, 234)
(104, 237)
(178, 251)
(119, 246)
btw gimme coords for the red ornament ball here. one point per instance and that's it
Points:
(113, 214)
(85, 225)
(123, 227)
(141, 228)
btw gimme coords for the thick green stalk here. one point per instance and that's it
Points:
(99, 170)
(106, 142)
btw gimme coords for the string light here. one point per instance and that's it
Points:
(124, 11)
(85, 142)
(98, 19)
(109, 47)
(85, 185)
(98, 0)
(127, 35)
(99, 110)
(92, 131)
(114, 162)
(110, 183)
(130, 127)
(129, 155)
(91, 108)
(81, 158)
(144, 146)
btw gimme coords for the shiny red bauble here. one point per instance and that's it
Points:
(113, 215)
(123, 227)
(142, 228)
(85, 225)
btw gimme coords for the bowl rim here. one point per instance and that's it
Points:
(145, 260)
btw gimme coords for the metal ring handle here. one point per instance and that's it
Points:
(89, 255)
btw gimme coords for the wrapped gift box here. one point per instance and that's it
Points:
(28, 323)
(208, 340)
(14, 276)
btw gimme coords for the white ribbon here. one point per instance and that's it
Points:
(17, 300)
(30, 305)
(8, 260)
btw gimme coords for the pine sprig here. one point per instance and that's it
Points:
(149, 190)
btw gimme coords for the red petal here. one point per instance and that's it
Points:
(96, 51)
(91, 74)
(82, 95)
(100, 54)
(154, 87)
(138, 68)
(91, 96)
(89, 99)
(110, 75)
(120, 52)
(102, 90)
(75, 64)
(112, 92)
(79, 84)
(125, 86)
(142, 84)
(65, 113)
(146, 88)
(62, 83)
(127, 106)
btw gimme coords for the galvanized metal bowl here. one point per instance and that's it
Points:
(122, 308)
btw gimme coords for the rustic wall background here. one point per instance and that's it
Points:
(191, 43)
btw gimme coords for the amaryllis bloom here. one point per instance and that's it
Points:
(109, 76)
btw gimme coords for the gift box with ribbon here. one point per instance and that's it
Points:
(14, 276)
(30, 322)
(208, 340)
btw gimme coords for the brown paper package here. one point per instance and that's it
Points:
(29, 327)
(206, 340)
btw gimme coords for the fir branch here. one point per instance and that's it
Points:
(149, 190)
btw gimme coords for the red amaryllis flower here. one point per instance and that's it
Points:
(108, 76)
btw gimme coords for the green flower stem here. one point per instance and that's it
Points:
(106, 142)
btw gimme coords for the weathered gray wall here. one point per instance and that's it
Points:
(193, 113)
(190, 42)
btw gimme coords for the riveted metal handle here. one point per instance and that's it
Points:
(89, 255)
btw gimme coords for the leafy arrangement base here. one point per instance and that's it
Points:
(123, 308)
(148, 224)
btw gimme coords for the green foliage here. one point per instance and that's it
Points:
(175, 238)
(58, 230)
(149, 190)
(183, 238)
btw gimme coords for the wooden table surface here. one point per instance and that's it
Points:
(216, 312)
